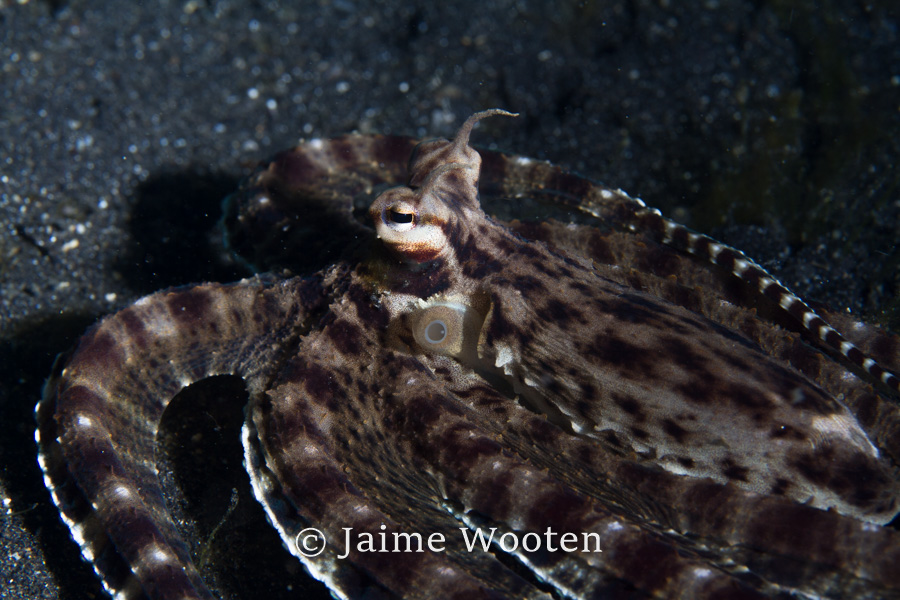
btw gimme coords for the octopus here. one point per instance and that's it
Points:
(611, 406)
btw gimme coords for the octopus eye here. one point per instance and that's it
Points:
(448, 328)
(399, 217)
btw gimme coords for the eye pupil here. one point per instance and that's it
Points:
(400, 218)
(436, 332)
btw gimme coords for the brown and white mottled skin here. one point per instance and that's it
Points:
(718, 436)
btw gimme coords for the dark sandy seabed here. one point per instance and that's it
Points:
(773, 125)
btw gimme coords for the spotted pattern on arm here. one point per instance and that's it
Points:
(450, 372)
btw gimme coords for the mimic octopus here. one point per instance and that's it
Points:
(633, 409)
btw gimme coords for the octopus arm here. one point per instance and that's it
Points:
(521, 490)
(827, 552)
(324, 451)
(99, 416)
(687, 281)
(386, 448)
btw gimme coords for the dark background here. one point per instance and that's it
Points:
(772, 125)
